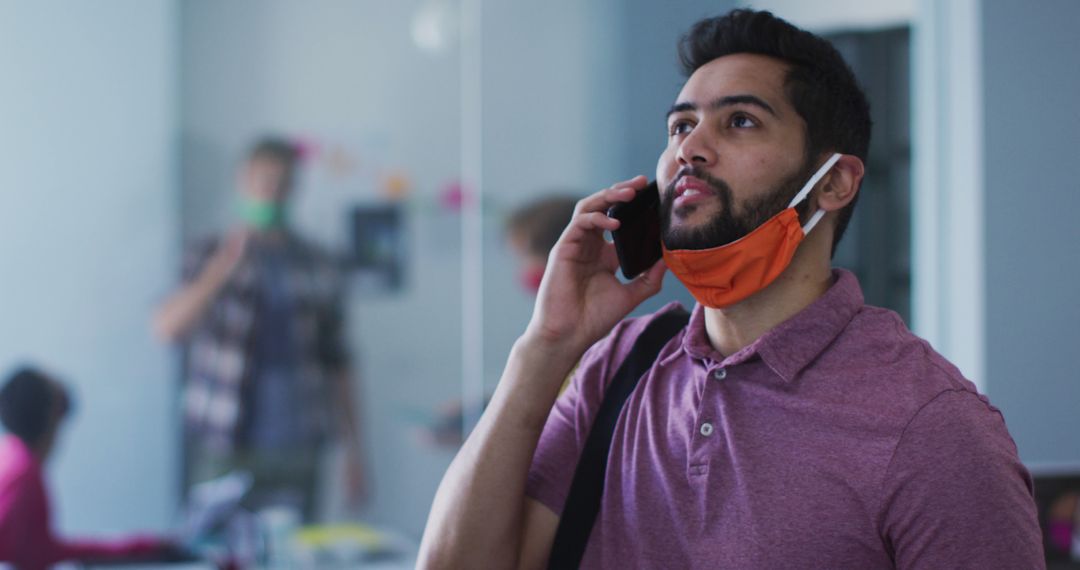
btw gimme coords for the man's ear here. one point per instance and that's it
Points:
(839, 187)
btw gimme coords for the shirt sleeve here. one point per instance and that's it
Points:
(571, 418)
(955, 494)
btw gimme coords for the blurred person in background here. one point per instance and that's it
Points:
(267, 377)
(532, 230)
(32, 407)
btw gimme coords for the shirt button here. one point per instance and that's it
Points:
(706, 429)
(720, 373)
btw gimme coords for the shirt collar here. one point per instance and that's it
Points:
(793, 344)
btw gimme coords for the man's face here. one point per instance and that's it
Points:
(735, 152)
(264, 180)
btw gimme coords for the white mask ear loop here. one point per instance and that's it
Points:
(810, 186)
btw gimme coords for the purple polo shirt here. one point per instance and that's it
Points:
(836, 440)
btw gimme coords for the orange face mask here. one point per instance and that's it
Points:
(724, 275)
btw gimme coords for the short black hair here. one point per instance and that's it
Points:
(277, 149)
(819, 83)
(28, 402)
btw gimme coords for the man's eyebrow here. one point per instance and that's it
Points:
(722, 102)
(680, 107)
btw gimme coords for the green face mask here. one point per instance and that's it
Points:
(262, 215)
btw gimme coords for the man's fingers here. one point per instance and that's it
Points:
(590, 213)
(604, 199)
(596, 221)
(585, 231)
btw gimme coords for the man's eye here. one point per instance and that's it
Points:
(742, 122)
(680, 128)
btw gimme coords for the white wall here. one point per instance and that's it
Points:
(87, 236)
(1031, 79)
(824, 16)
(948, 195)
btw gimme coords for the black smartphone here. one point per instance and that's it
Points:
(637, 241)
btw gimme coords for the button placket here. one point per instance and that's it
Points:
(703, 446)
(705, 425)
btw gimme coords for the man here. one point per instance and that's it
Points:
(32, 407)
(787, 425)
(267, 371)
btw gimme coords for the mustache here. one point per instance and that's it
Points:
(716, 185)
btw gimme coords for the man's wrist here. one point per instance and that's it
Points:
(535, 349)
(534, 374)
(215, 275)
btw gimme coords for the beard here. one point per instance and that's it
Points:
(727, 226)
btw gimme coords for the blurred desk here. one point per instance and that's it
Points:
(351, 545)
(330, 547)
(151, 566)
(403, 563)
(406, 561)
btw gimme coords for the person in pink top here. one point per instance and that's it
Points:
(32, 407)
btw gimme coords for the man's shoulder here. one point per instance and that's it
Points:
(623, 336)
(880, 353)
(605, 356)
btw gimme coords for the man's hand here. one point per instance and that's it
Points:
(580, 298)
(183, 309)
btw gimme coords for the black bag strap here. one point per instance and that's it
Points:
(583, 500)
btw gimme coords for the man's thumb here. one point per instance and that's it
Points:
(650, 282)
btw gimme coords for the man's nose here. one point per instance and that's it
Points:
(696, 150)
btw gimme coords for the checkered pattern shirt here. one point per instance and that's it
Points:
(219, 357)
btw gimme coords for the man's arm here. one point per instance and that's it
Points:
(183, 309)
(480, 517)
(956, 494)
